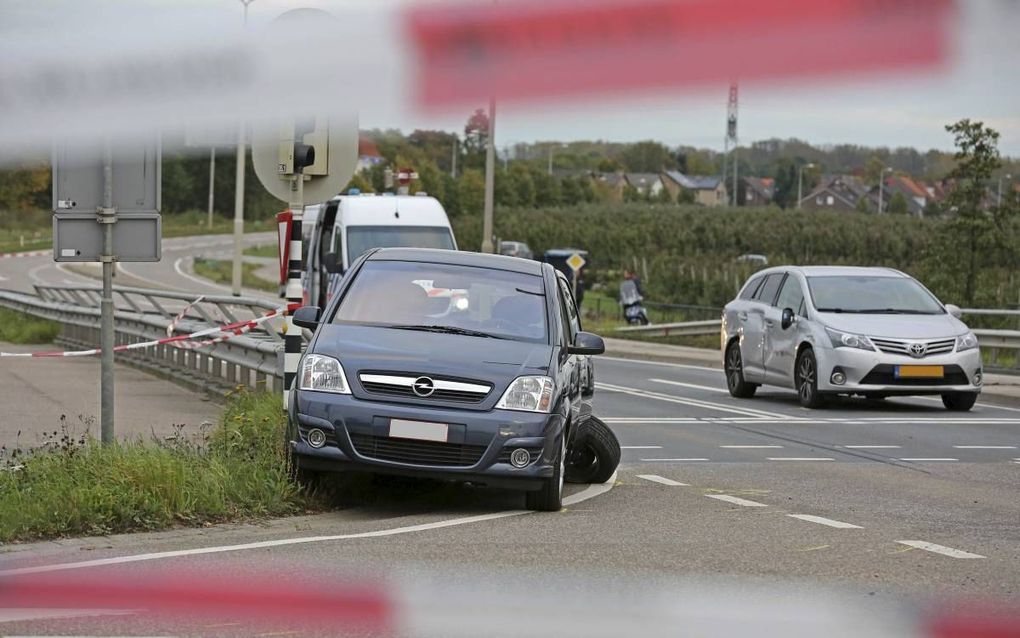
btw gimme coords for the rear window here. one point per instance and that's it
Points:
(405, 294)
(751, 288)
(361, 239)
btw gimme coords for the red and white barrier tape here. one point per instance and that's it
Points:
(223, 332)
(32, 253)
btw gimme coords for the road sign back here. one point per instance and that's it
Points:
(78, 178)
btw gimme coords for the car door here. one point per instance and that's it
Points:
(780, 348)
(569, 363)
(585, 365)
(752, 321)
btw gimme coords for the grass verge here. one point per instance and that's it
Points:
(70, 485)
(265, 250)
(221, 272)
(17, 327)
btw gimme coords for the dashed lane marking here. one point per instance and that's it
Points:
(736, 500)
(751, 447)
(801, 458)
(872, 447)
(693, 386)
(985, 447)
(932, 459)
(664, 364)
(821, 520)
(640, 447)
(655, 478)
(940, 549)
(697, 403)
(673, 460)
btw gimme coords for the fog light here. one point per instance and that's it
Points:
(838, 378)
(520, 457)
(316, 438)
(978, 378)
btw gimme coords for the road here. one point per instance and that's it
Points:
(884, 501)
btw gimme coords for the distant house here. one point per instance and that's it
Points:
(648, 184)
(836, 192)
(612, 184)
(914, 192)
(368, 155)
(707, 190)
(758, 191)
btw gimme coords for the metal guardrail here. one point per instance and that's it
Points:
(254, 359)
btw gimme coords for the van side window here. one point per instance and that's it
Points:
(751, 287)
(767, 292)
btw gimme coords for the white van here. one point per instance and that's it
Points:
(348, 226)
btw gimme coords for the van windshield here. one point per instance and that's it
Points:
(361, 239)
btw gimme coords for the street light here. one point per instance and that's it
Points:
(235, 274)
(881, 187)
(998, 203)
(800, 182)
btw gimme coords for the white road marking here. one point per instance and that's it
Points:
(640, 447)
(872, 447)
(985, 447)
(928, 459)
(980, 405)
(590, 492)
(693, 386)
(655, 478)
(159, 284)
(697, 403)
(38, 613)
(940, 549)
(796, 419)
(800, 458)
(625, 420)
(750, 447)
(824, 521)
(675, 460)
(197, 280)
(664, 364)
(736, 500)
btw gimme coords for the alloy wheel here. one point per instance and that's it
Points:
(806, 372)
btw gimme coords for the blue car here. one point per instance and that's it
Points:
(450, 365)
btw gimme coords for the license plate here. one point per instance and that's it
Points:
(419, 430)
(920, 372)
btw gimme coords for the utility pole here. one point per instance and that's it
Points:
(881, 188)
(490, 180)
(551, 158)
(800, 182)
(107, 217)
(998, 201)
(453, 159)
(235, 279)
(212, 182)
(731, 137)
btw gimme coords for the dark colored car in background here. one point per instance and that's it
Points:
(515, 249)
(448, 365)
(557, 257)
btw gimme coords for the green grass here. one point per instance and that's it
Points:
(265, 250)
(17, 327)
(73, 486)
(221, 272)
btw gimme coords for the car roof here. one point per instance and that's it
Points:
(458, 258)
(391, 210)
(835, 271)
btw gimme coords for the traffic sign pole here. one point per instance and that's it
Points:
(292, 339)
(107, 217)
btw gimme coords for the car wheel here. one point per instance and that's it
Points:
(807, 380)
(594, 453)
(734, 368)
(959, 401)
(549, 498)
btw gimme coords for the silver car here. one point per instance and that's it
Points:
(826, 331)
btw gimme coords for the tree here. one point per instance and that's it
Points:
(873, 170)
(898, 204)
(663, 197)
(361, 182)
(647, 157)
(476, 139)
(471, 192)
(863, 206)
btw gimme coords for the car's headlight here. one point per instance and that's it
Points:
(967, 341)
(323, 374)
(849, 340)
(528, 394)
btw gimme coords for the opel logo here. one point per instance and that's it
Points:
(917, 350)
(423, 387)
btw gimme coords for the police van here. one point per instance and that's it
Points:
(339, 231)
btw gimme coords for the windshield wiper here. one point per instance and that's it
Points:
(452, 330)
(893, 311)
(835, 310)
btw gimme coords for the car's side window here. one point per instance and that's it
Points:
(751, 288)
(791, 296)
(568, 336)
(571, 307)
(767, 292)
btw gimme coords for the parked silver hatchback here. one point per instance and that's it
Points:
(827, 331)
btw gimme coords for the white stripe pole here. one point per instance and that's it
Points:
(292, 339)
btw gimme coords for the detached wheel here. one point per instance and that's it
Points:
(550, 497)
(807, 380)
(594, 454)
(733, 365)
(959, 401)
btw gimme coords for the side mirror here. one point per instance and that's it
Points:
(954, 310)
(587, 343)
(307, 317)
(331, 263)
(788, 318)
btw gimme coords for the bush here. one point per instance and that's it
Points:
(17, 327)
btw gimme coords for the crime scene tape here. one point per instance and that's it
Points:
(223, 333)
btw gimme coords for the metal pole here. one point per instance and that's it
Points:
(550, 159)
(998, 200)
(212, 182)
(800, 185)
(453, 159)
(490, 180)
(235, 278)
(881, 190)
(735, 173)
(292, 339)
(107, 217)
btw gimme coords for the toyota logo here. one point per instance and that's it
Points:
(917, 350)
(423, 387)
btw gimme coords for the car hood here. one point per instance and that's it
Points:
(895, 326)
(497, 361)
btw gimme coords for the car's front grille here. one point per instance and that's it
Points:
(898, 346)
(885, 374)
(442, 389)
(417, 452)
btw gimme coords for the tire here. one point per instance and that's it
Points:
(594, 453)
(550, 497)
(733, 366)
(959, 401)
(806, 378)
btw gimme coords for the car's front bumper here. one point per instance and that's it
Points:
(357, 439)
(875, 372)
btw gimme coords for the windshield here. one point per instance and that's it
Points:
(872, 295)
(446, 298)
(361, 239)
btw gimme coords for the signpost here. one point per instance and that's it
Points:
(576, 263)
(106, 201)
